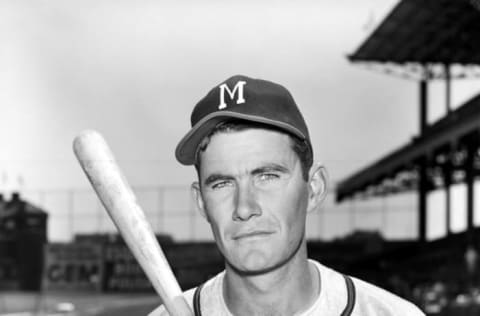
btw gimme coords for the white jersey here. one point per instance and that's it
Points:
(369, 299)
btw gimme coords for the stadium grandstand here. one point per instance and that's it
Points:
(428, 41)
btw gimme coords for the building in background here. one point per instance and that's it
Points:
(23, 234)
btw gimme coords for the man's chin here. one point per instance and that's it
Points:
(254, 267)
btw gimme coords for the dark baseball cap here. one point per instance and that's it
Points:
(243, 98)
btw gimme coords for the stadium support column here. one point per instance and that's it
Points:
(422, 199)
(447, 179)
(423, 104)
(422, 164)
(447, 168)
(448, 89)
(469, 179)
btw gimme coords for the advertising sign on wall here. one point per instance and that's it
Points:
(121, 270)
(73, 266)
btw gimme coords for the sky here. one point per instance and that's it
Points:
(133, 70)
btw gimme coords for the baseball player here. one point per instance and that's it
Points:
(256, 183)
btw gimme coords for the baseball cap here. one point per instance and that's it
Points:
(243, 98)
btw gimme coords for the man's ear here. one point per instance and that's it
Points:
(317, 186)
(197, 196)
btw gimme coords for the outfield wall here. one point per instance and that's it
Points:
(111, 267)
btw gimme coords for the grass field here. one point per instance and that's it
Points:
(79, 303)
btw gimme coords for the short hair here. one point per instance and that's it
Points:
(299, 146)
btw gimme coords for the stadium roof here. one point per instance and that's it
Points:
(421, 32)
(18, 207)
(445, 133)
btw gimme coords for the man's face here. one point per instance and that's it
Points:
(254, 197)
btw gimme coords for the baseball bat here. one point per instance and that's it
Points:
(112, 188)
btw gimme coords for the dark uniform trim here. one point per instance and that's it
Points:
(196, 300)
(350, 296)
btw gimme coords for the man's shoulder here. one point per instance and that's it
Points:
(370, 300)
(373, 300)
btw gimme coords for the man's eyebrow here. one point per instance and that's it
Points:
(269, 168)
(215, 177)
(262, 169)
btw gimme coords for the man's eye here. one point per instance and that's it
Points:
(268, 176)
(219, 185)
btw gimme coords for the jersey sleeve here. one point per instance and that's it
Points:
(372, 300)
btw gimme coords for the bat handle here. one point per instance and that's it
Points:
(182, 307)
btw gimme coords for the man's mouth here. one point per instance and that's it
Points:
(252, 235)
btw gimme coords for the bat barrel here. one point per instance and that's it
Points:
(98, 163)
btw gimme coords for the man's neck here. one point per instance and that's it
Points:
(289, 289)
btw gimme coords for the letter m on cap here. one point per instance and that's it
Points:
(238, 89)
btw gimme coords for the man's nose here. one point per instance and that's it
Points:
(246, 204)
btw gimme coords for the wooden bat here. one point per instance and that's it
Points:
(112, 188)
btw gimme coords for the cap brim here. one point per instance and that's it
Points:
(187, 147)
